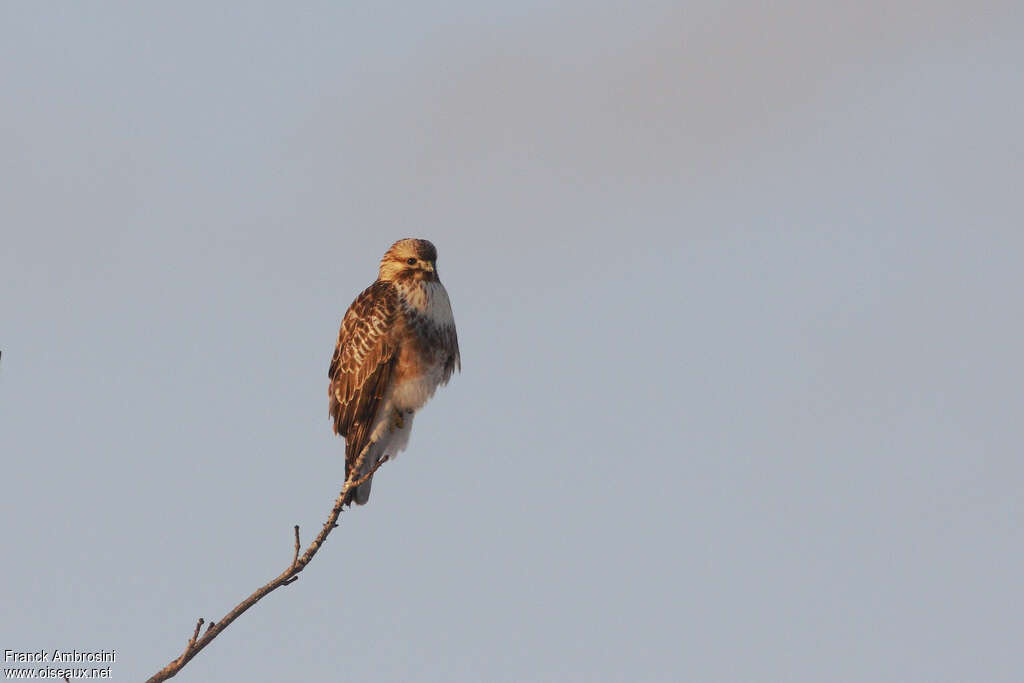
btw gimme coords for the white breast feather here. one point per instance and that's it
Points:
(430, 299)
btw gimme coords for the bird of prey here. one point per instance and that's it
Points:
(397, 344)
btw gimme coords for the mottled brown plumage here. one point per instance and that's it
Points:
(397, 343)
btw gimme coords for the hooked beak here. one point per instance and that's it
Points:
(428, 266)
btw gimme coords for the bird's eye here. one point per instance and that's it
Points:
(411, 261)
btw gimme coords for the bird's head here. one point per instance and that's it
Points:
(411, 259)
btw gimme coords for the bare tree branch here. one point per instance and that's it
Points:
(196, 643)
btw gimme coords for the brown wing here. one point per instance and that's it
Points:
(450, 340)
(361, 368)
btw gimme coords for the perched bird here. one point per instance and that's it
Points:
(397, 344)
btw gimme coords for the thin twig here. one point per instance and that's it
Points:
(195, 634)
(196, 643)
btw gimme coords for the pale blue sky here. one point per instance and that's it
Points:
(738, 290)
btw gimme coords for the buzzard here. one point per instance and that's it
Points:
(397, 344)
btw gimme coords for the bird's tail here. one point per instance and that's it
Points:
(361, 494)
